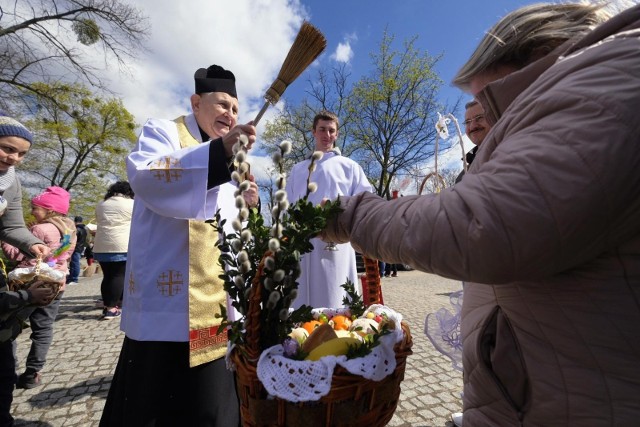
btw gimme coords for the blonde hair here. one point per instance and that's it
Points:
(48, 213)
(528, 34)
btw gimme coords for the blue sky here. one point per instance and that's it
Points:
(252, 38)
(452, 28)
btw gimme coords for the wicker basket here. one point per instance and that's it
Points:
(26, 280)
(352, 401)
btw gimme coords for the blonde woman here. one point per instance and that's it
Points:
(545, 226)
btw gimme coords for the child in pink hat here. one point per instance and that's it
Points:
(49, 209)
(55, 199)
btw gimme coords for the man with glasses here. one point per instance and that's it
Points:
(476, 129)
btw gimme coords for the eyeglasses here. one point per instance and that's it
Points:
(478, 119)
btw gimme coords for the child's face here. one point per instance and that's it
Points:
(38, 212)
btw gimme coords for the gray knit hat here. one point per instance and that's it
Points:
(12, 127)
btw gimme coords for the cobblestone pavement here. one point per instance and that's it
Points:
(84, 352)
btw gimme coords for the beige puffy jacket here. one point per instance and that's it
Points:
(114, 224)
(546, 224)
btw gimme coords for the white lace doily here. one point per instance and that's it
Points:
(303, 380)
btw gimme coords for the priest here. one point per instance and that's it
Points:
(171, 369)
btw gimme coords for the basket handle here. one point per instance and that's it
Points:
(252, 321)
(36, 268)
(371, 289)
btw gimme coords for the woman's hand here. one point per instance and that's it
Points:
(40, 294)
(40, 251)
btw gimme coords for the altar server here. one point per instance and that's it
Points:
(326, 268)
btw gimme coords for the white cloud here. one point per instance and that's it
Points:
(452, 158)
(448, 159)
(250, 38)
(262, 168)
(344, 51)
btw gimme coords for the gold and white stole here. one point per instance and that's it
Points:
(206, 292)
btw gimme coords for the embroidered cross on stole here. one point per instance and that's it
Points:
(206, 291)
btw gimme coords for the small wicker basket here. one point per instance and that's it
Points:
(35, 274)
(352, 401)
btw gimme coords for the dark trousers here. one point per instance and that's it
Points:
(41, 321)
(74, 267)
(153, 386)
(7, 382)
(112, 282)
(390, 268)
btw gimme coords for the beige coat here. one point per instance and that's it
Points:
(548, 220)
(114, 223)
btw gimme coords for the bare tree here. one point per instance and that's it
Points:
(292, 124)
(449, 176)
(425, 179)
(327, 90)
(387, 118)
(394, 111)
(81, 142)
(267, 190)
(37, 43)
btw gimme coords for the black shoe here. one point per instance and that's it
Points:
(112, 314)
(29, 380)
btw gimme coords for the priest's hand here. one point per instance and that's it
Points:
(233, 136)
(252, 195)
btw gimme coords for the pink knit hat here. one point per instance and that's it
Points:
(53, 198)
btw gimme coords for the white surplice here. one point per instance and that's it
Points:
(323, 271)
(170, 185)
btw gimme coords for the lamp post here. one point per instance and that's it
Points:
(465, 166)
(442, 131)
